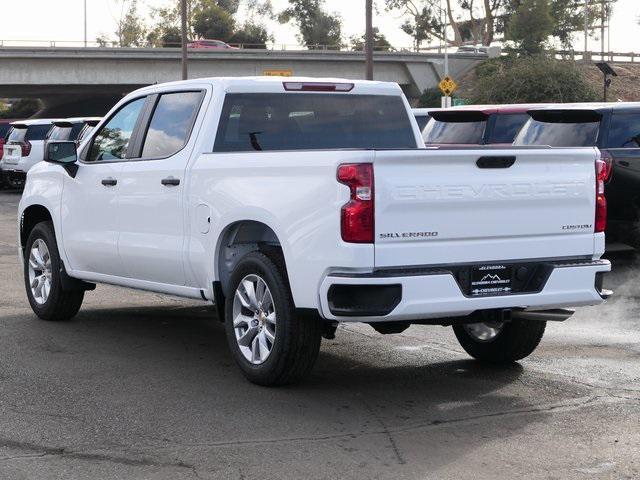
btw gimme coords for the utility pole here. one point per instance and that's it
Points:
(602, 20)
(586, 30)
(183, 14)
(85, 23)
(368, 44)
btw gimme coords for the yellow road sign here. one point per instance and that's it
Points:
(447, 86)
(278, 73)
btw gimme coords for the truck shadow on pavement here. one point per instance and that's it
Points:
(165, 373)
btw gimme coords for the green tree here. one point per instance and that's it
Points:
(131, 30)
(212, 21)
(23, 108)
(317, 27)
(530, 79)
(430, 98)
(531, 26)
(380, 42)
(251, 35)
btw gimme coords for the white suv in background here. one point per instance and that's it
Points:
(23, 148)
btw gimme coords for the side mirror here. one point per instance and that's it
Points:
(64, 154)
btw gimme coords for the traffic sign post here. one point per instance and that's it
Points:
(447, 86)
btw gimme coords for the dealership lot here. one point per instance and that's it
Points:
(142, 386)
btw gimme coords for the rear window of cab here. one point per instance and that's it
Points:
(311, 121)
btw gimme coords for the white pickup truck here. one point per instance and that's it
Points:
(296, 204)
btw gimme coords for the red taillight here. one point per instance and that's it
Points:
(1, 148)
(26, 148)
(357, 215)
(603, 172)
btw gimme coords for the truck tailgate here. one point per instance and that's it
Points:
(439, 207)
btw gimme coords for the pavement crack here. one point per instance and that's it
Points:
(394, 446)
(41, 451)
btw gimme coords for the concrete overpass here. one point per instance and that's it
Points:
(79, 81)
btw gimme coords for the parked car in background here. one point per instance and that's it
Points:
(210, 45)
(615, 129)
(422, 116)
(23, 148)
(476, 125)
(298, 204)
(89, 125)
(71, 128)
(5, 126)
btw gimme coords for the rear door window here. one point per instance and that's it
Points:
(506, 126)
(4, 129)
(171, 123)
(624, 131)
(561, 129)
(311, 121)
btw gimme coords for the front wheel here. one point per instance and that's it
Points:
(43, 277)
(500, 342)
(268, 342)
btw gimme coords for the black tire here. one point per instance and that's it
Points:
(61, 304)
(297, 340)
(517, 340)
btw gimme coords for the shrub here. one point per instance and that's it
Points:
(531, 79)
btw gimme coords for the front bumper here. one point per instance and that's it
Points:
(436, 294)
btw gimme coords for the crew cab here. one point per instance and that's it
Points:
(296, 204)
(615, 129)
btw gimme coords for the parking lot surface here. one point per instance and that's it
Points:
(141, 386)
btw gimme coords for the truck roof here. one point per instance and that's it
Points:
(266, 84)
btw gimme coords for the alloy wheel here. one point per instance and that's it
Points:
(254, 319)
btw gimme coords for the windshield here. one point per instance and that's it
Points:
(454, 132)
(561, 128)
(311, 121)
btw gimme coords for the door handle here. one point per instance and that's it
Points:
(109, 182)
(170, 182)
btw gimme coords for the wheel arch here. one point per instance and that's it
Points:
(237, 240)
(30, 217)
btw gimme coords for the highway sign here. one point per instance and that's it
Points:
(447, 86)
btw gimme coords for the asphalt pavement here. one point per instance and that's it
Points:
(141, 386)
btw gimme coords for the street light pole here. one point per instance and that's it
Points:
(368, 44)
(183, 14)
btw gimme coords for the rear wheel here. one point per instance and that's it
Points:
(268, 342)
(500, 342)
(43, 277)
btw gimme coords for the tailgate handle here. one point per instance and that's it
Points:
(495, 162)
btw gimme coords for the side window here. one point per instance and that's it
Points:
(624, 131)
(171, 124)
(112, 140)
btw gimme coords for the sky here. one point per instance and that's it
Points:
(62, 20)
